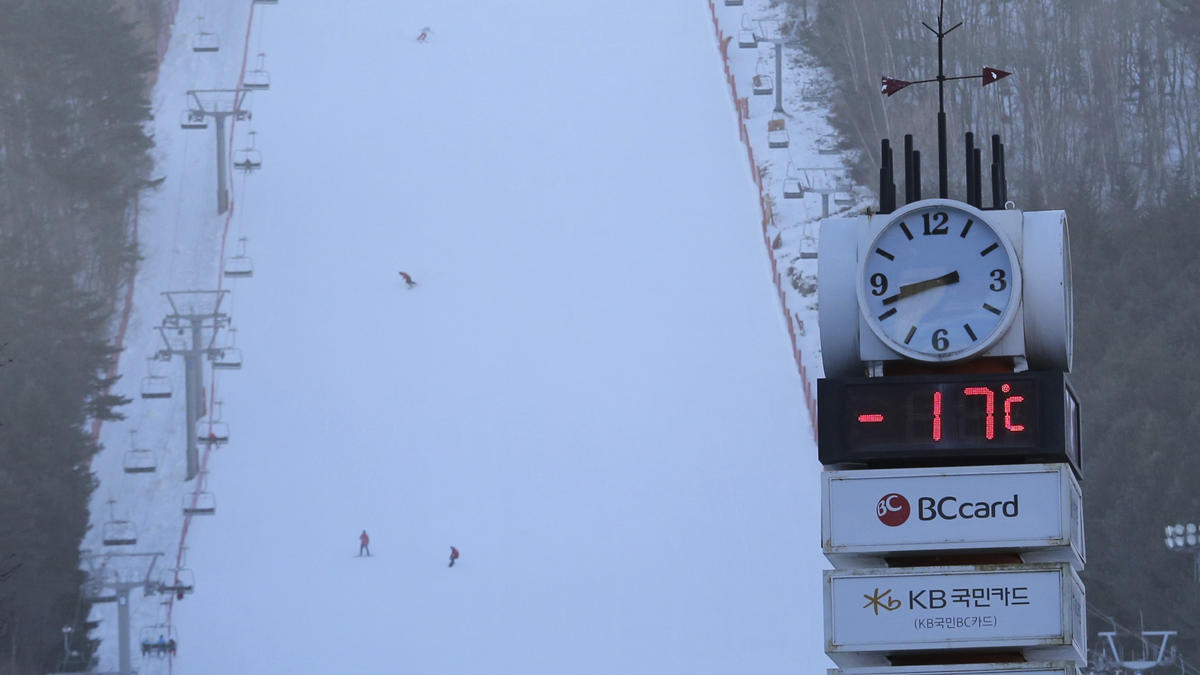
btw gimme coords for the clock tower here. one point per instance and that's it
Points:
(948, 427)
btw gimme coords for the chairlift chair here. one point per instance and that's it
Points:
(176, 581)
(764, 85)
(247, 160)
(159, 641)
(119, 533)
(843, 199)
(258, 78)
(733, 3)
(140, 460)
(193, 119)
(228, 358)
(792, 186)
(777, 133)
(747, 36)
(266, 2)
(827, 145)
(156, 386)
(240, 265)
(214, 431)
(206, 42)
(199, 504)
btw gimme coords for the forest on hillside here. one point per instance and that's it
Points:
(1101, 118)
(74, 154)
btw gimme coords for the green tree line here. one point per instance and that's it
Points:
(74, 153)
(1101, 117)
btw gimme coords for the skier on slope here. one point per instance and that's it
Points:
(408, 279)
(363, 540)
(424, 35)
(453, 555)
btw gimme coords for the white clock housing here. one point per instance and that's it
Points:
(1039, 330)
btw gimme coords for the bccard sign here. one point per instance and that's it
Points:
(1034, 608)
(972, 669)
(1032, 509)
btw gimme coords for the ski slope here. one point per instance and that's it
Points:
(590, 393)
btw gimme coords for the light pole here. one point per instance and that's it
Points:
(1185, 538)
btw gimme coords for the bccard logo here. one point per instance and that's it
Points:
(893, 509)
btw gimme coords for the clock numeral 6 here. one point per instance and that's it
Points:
(998, 281)
(878, 284)
(940, 342)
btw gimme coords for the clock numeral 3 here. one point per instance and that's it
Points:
(998, 281)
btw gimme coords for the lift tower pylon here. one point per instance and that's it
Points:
(108, 584)
(200, 313)
(219, 104)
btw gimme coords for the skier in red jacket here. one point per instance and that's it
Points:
(363, 540)
(453, 555)
(407, 279)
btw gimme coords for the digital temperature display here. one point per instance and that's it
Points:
(952, 419)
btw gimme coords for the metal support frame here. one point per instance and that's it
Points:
(101, 578)
(780, 41)
(220, 104)
(199, 311)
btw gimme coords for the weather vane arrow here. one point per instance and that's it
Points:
(891, 85)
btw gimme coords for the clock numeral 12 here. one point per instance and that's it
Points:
(941, 227)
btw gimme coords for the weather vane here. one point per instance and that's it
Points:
(891, 85)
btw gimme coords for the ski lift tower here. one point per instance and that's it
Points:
(107, 583)
(199, 311)
(218, 104)
(773, 34)
(1148, 655)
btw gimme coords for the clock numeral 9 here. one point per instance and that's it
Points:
(940, 342)
(879, 284)
(998, 281)
(941, 227)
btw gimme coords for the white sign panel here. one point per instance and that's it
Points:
(988, 508)
(886, 611)
(972, 669)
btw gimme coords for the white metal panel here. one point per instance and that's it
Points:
(1007, 508)
(1036, 609)
(1049, 309)
(837, 263)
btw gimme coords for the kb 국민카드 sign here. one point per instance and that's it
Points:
(1033, 509)
(1036, 609)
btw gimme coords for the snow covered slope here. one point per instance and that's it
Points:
(590, 393)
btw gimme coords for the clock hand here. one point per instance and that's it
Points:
(916, 287)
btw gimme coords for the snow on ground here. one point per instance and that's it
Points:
(590, 393)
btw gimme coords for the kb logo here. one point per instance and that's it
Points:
(892, 509)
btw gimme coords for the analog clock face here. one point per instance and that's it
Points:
(938, 283)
